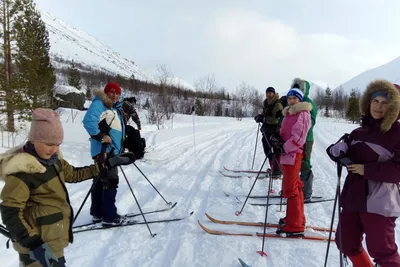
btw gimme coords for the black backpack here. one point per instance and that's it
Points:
(134, 142)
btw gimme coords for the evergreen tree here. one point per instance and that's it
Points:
(120, 80)
(74, 76)
(218, 112)
(35, 74)
(328, 101)
(227, 112)
(88, 93)
(353, 110)
(146, 104)
(199, 107)
(9, 9)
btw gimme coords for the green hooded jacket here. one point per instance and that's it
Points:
(305, 88)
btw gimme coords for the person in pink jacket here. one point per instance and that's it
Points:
(294, 129)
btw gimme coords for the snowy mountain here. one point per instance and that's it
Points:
(69, 43)
(389, 71)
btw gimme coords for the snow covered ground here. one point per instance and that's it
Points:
(190, 175)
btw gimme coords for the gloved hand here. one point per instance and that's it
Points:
(43, 254)
(278, 148)
(337, 151)
(259, 118)
(126, 158)
(104, 127)
(274, 140)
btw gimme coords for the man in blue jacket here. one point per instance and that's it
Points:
(104, 123)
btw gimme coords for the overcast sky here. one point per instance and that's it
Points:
(264, 43)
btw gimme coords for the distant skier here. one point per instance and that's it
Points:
(307, 175)
(129, 111)
(35, 206)
(269, 118)
(293, 134)
(370, 198)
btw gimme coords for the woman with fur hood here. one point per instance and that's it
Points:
(35, 205)
(370, 198)
(293, 134)
(105, 124)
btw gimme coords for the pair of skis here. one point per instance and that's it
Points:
(314, 199)
(128, 220)
(260, 224)
(244, 173)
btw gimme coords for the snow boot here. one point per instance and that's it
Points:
(96, 219)
(284, 233)
(116, 221)
(361, 260)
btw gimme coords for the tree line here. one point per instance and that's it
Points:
(339, 105)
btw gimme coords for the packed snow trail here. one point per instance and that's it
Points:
(193, 180)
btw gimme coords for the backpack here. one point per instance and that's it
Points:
(134, 142)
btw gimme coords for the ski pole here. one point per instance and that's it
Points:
(237, 213)
(137, 202)
(261, 252)
(279, 166)
(4, 231)
(255, 148)
(103, 151)
(169, 203)
(337, 199)
(86, 197)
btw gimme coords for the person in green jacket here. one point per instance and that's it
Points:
(35, 206)
(270, 119)
(307, 175)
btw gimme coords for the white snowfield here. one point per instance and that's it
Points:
(191, 177)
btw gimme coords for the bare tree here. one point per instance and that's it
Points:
(206, 88)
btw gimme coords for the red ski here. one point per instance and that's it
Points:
(271, 235)
(261, 224)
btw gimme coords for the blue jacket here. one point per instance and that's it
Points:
(102, 107)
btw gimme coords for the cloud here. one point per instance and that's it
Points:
(247, 46)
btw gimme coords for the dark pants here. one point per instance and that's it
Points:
(306, 175)
(273, 158)
(104, 194)
(26, 261)
(380, 237)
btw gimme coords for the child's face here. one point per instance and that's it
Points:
(292, 100)
(45, 151)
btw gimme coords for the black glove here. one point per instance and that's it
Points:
(121, 159)
(278, 148)
(104, 127)
(274, 140)
(43, 254)
(259, 118)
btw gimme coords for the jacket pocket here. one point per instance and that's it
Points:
(51, 226)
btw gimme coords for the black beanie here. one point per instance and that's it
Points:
(270, 89)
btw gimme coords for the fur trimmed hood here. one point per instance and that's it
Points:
(393, 100)
(103, 97)
(296, 108)
(15, 160)
(274, 98)
(304, 85)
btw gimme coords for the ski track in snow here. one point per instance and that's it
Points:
(191, 177)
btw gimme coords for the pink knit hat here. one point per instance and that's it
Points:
(46, 127)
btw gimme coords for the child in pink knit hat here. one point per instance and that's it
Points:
(35, 205)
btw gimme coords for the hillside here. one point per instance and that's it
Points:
(389, 71)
